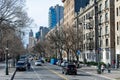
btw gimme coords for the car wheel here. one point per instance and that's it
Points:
(24, 69)
(62, 72)
(16, 69)
(66, 73)
(75, 73)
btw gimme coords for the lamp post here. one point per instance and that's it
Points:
(6, 60)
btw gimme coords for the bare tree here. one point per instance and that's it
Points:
(13, 12)
(66, 39)
(14, 43)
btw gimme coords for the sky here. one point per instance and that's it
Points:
(38, 10)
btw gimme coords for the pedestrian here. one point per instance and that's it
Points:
(28, 65)
(102, 68)
(108, 67)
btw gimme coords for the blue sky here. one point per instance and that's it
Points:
(38, 10)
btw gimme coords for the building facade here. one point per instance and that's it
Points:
(106, 30)
(117, 31)
(52, 17)
(98, 31)
(70, 7)
(31, 40)
(55, 15)
(86, 23)
(40, 35)
(59, 13)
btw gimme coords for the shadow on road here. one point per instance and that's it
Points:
(83, 75)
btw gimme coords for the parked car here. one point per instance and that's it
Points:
(64, 63)
(59, 62)
(69, 69)
(21, 65)
(38, 63)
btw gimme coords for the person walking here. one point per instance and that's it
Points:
(28, 65)
(108, 67)
(102, 68)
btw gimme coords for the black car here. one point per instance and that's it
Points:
(69, 69)
(21, 65)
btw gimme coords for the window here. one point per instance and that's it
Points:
(100, 9)
(117, 11)
(106, 16)
(106, 30)
(100, 19)
(84, 46)
(118, 40)
(106, 42)
(92, 12)
(101, 43)
(106, 4)
(117, 26)
(107, 55)
(93, 33)
(101, 55)
(99, 32)
(84, 36)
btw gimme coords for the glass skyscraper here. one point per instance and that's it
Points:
(55, 15)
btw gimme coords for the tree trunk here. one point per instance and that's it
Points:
(68, 55)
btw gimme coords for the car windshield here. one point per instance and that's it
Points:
(38, 61)
(20, 63)
(69, 66)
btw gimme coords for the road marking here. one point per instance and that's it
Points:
(57, 73)
(36, 73)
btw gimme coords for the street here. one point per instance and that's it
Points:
(52, 72)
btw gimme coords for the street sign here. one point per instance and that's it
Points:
(78, 52)
(100, 49)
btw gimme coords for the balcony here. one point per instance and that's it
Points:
(90, 38)
(91, 46)
(106, 7)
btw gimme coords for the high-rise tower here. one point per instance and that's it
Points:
(55, 15)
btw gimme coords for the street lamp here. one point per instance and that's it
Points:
(6, 60)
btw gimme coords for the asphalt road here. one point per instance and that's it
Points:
(52, 72)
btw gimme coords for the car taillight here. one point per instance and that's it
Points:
(75, 68)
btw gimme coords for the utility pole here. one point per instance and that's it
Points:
(6, 60)
(77, 38)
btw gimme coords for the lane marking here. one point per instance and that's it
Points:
(36, 73)
(56, 73)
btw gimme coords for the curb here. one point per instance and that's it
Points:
(13, 75)
(97, 75)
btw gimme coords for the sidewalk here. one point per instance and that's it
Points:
(114, 75)
(3, 76)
